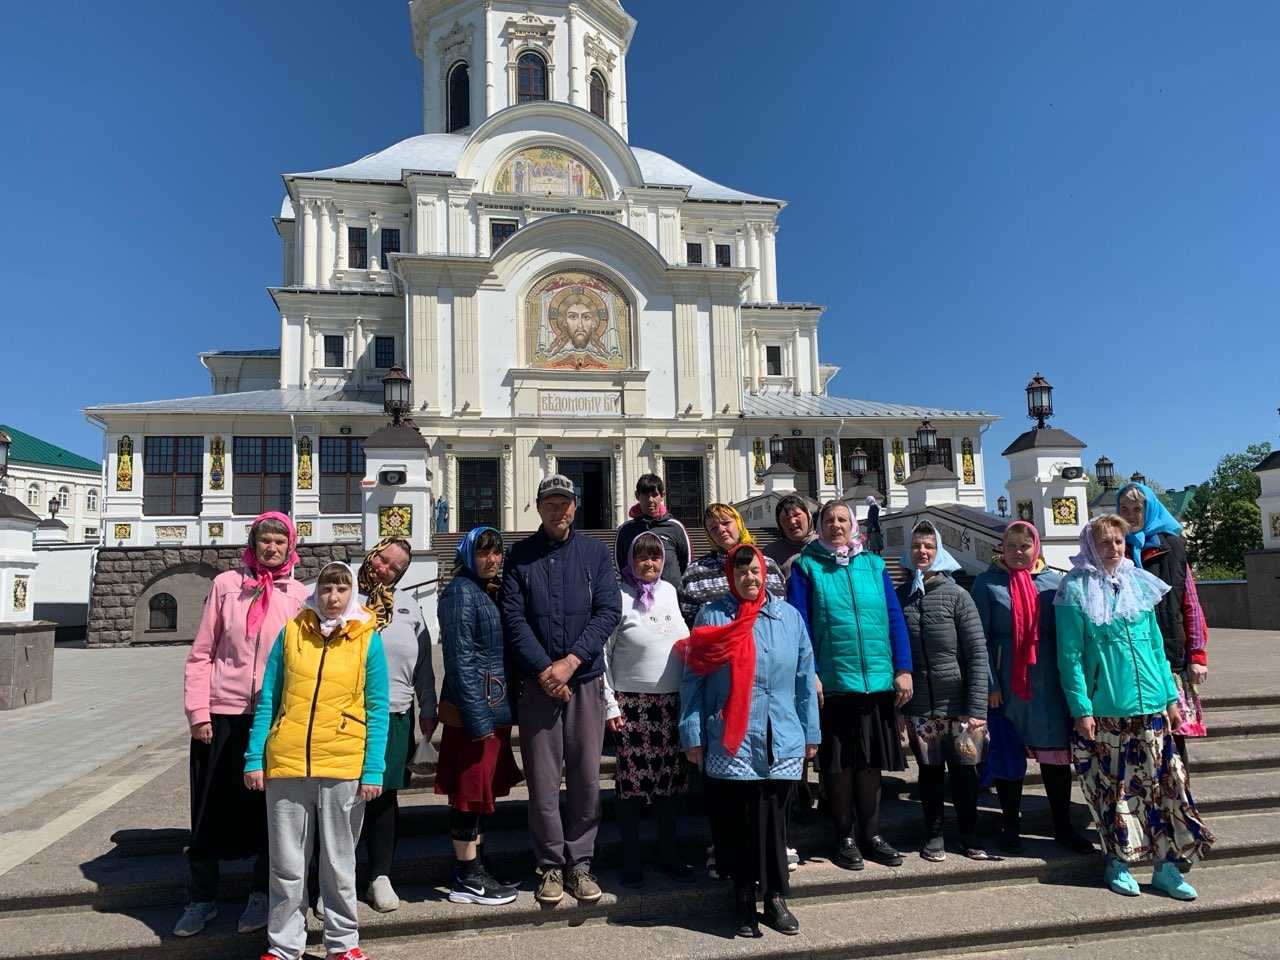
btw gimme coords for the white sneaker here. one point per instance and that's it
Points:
(255, 914)
(382, 896)
(194, 918)
(793, 859)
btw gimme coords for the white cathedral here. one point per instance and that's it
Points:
(562, 300)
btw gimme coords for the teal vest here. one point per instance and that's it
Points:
(849, 621)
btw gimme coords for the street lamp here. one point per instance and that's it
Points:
(858, 463)
(775, 449)
(1104, 471)
(926, 440)
(1137, 478)
(53, 508)
(1039, 400)
(1002, 504)
(5, 442)
(395, 395)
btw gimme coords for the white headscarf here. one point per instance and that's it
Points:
(1126, 593)
(354, 613)
(943, 561)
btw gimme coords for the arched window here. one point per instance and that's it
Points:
(459, 97)
(599, 96)
(531, 78)
(164, 612)
(33, 495)
(64, 498)
(91, 500)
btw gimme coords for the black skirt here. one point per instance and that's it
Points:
(228, 820)
(860, 732)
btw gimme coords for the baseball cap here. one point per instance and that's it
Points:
(556, 485)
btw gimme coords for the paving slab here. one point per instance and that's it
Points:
(1242, 939)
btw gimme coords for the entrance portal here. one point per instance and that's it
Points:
(592, 478)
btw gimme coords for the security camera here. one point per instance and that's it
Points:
(1072, 473)
(392, 478)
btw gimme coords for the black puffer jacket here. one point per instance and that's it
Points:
(948, 651)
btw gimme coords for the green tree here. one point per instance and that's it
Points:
(1223, 521)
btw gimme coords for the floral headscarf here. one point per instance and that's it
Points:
(378, 596)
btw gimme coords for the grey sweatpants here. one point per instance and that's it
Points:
(555, 735)
(299, 809)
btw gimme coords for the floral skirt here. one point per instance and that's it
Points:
(650, 763)
(1192, 711)
(938, 740)
(1136, 786)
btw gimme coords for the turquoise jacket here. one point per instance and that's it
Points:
(784, 699)
(1114, 669)
(854, 618)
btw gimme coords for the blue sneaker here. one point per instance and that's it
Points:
(1120, 880)
(1168, 879)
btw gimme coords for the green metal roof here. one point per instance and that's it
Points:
(1181, 499)
(29, 449)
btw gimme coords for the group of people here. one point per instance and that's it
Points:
(738, 669)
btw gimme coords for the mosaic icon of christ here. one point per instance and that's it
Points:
(582, 330)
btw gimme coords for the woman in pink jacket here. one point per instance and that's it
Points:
(245, 610)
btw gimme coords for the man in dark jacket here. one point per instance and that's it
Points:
(649, 515)
(560, 604)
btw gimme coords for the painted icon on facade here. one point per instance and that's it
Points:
(578, 321)
(548, 171)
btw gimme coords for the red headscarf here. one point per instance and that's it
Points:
(1025, 601)
(267, 576)
(709, 647)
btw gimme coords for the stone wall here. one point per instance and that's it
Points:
(1263, 570)
(26, 663)
(124, 575)
(1225, 604)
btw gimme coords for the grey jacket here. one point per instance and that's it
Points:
(948, 651)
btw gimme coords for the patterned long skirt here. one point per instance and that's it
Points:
(1136, 786)
(650, 764)
(1192, 710)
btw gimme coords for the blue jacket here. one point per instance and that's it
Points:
(559, 597)
(475, 677)
(784, 699)
(1042, 721)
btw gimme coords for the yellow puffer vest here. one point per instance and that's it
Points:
(320, 725)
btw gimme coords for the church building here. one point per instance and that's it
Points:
(562, 300)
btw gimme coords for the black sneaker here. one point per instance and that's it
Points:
(480, 888)
(881, 851)
(847, 855)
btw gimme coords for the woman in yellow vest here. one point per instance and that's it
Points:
(318, 746)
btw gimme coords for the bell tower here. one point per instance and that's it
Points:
(482, 57)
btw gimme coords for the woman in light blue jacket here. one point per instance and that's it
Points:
(749, 717)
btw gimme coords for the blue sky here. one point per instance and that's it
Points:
(977, 191)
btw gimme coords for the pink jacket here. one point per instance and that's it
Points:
(224, 668)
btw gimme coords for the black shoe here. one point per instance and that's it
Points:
(676, 869)
(747, 923)
(479, 887)
(1010, 842)
(1074, 841)
(934, 850)
(847, 855)
(778, 916)
(879, 850)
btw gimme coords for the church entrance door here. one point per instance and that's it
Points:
(592, 478)
(685, 496)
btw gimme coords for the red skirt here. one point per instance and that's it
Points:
(474, 773)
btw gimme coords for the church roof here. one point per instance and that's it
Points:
(786, 404)
(29, 449)
(292, 400)
(439, 153)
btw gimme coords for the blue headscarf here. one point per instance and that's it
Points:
(1157, 520)
(466, 553)
(943, 562)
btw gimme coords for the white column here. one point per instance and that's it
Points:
(754, 347)
(619, 496)
(713, 491)
(575, 57)
(709, 260)
(508, 488)
(451, 486)
(754, 262)
(308, 244)
(741, 244)
(339, 258)
(324, 258)
(816, 386)
(488, 70)
(375, 243)
(770, 264)
(795, 361)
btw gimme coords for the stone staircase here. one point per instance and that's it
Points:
(111, 889)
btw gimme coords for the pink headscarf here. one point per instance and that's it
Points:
(267, 576)
(1025, 603)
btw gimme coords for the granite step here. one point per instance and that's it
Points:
(916, 910)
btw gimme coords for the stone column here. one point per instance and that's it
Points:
(460, 243)
(307, 214)
(795, 361)
(770, 263)
(323, 249)
(508, 488)
(451, 485)
(753, 262)
(575, 57)
(488, 63)
(814, 373)
(687, 392)
(375, 243)
(619, 487)
(424, 225)
(740, 245)
(754, 347)
(425, 332)
(713, 488)
(466, 353)
(622, 93)
(726, 359)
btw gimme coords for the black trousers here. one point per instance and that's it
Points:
(381, 827)
(853, 799)
(749, 819)
(228, 820)
(964, 797)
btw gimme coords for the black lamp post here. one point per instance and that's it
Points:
(395, 395)
(1002, 504)
(53, 508)
(775, 449)
(5, 442)
(927, 441)
(1105, 473)
(1039, 400)
(858, 463)
(1137, 478)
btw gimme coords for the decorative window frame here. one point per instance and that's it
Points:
(529, 34)
(91, 500)
(33, 487)
(451, 49)
(319, 328)
(608, 93)
(445, 85)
